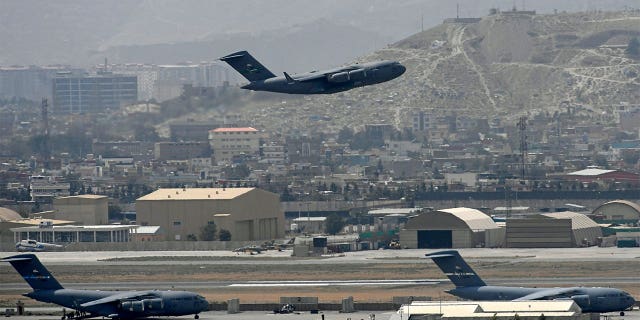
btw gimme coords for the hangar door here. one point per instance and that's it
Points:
(434, 239)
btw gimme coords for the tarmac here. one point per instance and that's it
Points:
(250, 315)
(322, 315)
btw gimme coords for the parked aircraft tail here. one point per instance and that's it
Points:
(456, 269)
(247, 66)
(36, 275)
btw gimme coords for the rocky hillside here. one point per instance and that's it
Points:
(504, 65)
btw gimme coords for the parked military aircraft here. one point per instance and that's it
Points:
(315, 82)
(112, 304)
(35, 246)
(470, 286)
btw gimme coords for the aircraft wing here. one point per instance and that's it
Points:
(311, 77)
(323, 74)
(118, 297)
(547, 294)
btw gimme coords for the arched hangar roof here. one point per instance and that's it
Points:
(624, 203)
(7, 214)
(578, 220)
(453, 218)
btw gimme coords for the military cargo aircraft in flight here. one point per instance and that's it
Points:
(111, 304)
(470, 286)
(315, 82)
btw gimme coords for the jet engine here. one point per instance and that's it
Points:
(339, 77)
(153, 304)
(581, 300)
(132, 306)
(357, 75)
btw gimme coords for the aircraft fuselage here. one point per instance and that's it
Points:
(331, 81)
(589, 299)
(156, 303)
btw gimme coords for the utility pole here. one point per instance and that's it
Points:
(46, 151)
(522, 127)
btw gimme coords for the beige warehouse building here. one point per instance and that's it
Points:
(552, 230)
(248, 213)
(87, 209)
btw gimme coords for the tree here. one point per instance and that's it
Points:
(208, 232)
(224, 235)
(114, 212)
(334, 224)
(192, 237)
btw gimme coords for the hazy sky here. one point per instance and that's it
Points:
(72, 31)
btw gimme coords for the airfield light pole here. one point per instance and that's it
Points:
(522, 126)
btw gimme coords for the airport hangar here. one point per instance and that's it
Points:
(618, 211)
(451, 228)
(552, 230)
(471, 228)
(248, 213)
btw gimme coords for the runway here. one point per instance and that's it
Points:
(194, 285)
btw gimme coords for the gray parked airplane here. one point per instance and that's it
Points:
(470, 286)
(315, 82)
(112, 304)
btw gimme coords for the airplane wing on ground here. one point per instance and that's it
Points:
(118, 297)
(548, 294)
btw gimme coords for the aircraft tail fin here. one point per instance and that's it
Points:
(248, 66)
(456, 269)
(32, 270)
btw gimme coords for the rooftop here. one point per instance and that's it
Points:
(196, 194)
(245, 129)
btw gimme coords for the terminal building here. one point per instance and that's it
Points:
(247, 213)
(65, 234)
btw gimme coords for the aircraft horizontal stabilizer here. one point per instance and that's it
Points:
(439, 255)
(10, 259)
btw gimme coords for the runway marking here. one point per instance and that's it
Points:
(332, 283)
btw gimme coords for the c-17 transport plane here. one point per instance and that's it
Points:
(111, 304)
(315, 82)
(470, 286)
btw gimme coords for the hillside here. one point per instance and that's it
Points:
(504, 66)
